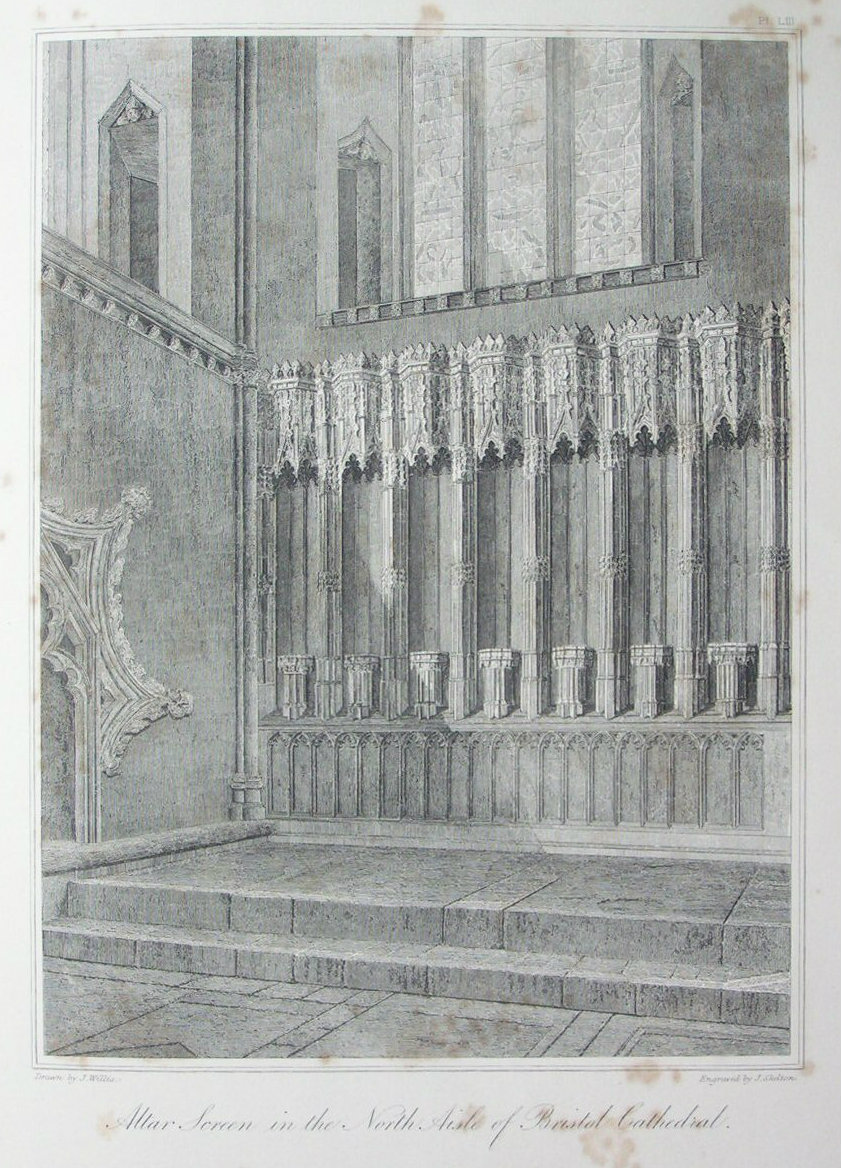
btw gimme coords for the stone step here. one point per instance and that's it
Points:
(698, 992)
(501, 917)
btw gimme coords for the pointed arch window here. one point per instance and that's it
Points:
(441, 196)
(132, 187)
(527, 159)
(610, 182)
(516, 160)
(676, 211)
(526, 167)
(365, 231)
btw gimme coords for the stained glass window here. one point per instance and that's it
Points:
(497, 115)
(516, 160)
(608, 154)
(438, 103)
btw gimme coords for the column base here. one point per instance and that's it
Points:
(246, 798)
(462, 685)
(573, 666)
(329, 696)
(650, 664)
(732, 661)
(533, 685)
(429, 671)
(612, 685)
(773, 682)
(498, 681)
(691, 682)
(292, 673)
(363, 689)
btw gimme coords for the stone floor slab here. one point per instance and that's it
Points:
(574, 1039)
(407, 876)
(210, 1031)
(655, 1038)
(226, 985)
(284, 989)
(97, 969)
(423, 1035)
(86, 1014)
(77, 1007)
(355, 937)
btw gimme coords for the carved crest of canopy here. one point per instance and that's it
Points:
(648, 359)
(355, 415)
(495, 367)
(569, 361)
(289, 405)
(729, 341)
(421, 379)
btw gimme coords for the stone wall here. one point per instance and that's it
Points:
(120, 411)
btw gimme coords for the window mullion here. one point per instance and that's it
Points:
(406, 171)
(560, 170)
(647, 150)
(475, 183)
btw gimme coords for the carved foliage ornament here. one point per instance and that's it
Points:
(463, 573)
(82, 558)
(135, 110)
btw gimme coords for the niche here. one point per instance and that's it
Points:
(676, 177)
(364, 212)
(131, 179)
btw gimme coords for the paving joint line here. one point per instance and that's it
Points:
(552, 1037)
(116, 1025)
(585, 1048)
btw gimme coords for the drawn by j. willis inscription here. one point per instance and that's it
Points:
(416, 614)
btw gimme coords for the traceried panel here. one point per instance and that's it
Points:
(515, 87)
(438, 103)
(608, 154)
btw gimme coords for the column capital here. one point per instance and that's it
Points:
(692, 561)
(395, 471)
(613, 449)
(394, 579)
(535, 569)
(774, 559)
(535, 458)
(738, 652)
(463, 463)
(614, 566)
(295, 663)
(463, 572)
(773, 438)
(328, 580)
(249, 372)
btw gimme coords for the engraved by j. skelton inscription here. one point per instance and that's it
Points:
(416, 643)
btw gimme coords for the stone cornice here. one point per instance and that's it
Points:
(84, 278)
(513, 293)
